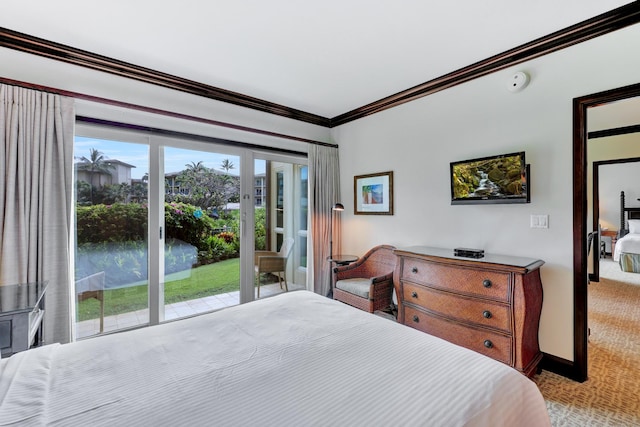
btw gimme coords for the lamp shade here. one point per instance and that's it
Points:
(338, 207)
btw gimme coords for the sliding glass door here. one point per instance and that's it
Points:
(111, 224)
(166, 228)
(201, 239)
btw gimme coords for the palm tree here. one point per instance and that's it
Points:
(96, 163)
(227, 165)
(196, 167)
(230, 188)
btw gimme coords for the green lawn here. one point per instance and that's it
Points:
(211, 279)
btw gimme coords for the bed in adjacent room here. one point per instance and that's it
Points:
(294, 359)
(627, 248)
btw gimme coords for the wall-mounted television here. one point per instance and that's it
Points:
(495, 179)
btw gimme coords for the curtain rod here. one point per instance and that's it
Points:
(184, 135)
(107, 101)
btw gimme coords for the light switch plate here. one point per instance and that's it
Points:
(539, 221)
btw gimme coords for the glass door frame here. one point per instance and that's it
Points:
(291, 220)
(157, 145)
(155, 193)
(155, 203)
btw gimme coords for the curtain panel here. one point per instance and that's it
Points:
(36, 162)
(324, 192)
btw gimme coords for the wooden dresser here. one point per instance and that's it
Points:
(490, 305)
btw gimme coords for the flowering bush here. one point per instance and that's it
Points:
(227, 236)
(187, 223)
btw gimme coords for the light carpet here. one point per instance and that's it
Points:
(611, 395)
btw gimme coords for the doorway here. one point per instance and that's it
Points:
(578, 369)
(610, 178)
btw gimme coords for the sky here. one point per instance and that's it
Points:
(175, 159)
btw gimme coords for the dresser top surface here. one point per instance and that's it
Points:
(514, 261)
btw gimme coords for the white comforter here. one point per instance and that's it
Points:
(630, 243)
(297, 359)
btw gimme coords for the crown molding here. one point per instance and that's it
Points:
(602, 24)
(60, 52)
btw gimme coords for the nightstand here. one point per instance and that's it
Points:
(614, 238)
(21, 313)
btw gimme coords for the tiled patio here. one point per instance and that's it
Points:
(88, 328)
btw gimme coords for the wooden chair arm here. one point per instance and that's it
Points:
(348, 267)
(378, 279)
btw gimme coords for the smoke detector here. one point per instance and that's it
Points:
(518, 81)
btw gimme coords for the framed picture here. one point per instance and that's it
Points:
(373, 194)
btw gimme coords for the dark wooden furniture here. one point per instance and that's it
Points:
(491, 305)
(613, 234)
(21, 313)
(368, 282)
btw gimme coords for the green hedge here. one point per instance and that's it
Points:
(111, 223)
(124, 226)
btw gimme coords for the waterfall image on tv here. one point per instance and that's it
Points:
(494, 179)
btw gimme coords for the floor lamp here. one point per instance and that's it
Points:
(339, 207)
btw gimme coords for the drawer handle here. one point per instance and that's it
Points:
(416, 319)
(488, 344)
(414, 270)
(414, 294)
(486, 283)
(486, 314)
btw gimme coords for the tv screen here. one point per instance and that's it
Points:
(493, 179)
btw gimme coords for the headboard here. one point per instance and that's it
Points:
(626, 214)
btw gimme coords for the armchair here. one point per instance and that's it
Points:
(367, 283)
(274, 262)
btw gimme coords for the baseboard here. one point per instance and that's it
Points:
(563, 367)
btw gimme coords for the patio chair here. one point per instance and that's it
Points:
(367, 283)
(274, 262)
(92, 287)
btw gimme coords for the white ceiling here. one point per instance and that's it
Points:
(325, 57)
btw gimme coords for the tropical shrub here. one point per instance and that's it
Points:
(261, 231)
(188, 223)
(119, 222)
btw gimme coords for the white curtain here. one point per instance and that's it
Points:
(36, 161)
(324, 192)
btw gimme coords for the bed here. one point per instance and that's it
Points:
(627, 248)
(294, 359)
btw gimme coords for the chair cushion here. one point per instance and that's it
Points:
(356, 286)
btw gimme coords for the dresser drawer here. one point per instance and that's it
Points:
(486, 284)
(454, 306)
(491, 344)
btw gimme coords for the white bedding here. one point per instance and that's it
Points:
(630, 243)
(297, 359)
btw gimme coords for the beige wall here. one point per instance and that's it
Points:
(418, 140)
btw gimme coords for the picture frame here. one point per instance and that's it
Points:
(373, 194)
